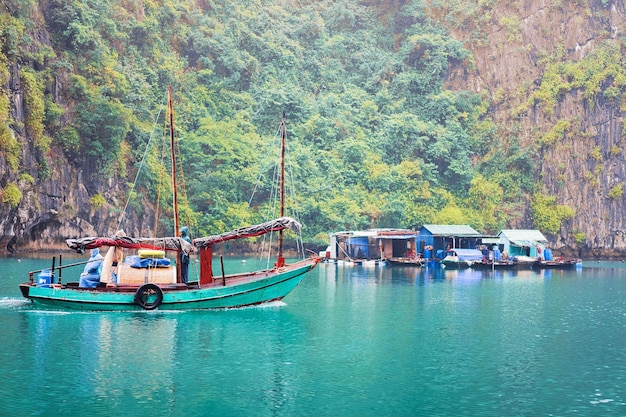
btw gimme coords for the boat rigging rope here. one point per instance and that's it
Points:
(141, 164)
(161, 173)
(274, 198)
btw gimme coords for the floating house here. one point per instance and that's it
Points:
(435, 239)
(372, 245)
(523, 243)
(398, 245)
(351, 245)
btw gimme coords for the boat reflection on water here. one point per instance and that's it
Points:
(470, 274)
(106, 357)
(115, 362)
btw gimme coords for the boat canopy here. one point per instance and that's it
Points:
(257, 230)
(468, 254)
(491, 240)
(159, 243)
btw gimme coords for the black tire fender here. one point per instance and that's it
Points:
(149, 296)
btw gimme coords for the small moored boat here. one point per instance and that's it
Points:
(405, 261)
(558, 263)
(489, 264)
(461, 258)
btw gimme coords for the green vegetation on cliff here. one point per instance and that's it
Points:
(375, 138)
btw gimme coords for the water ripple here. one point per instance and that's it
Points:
(13, 303)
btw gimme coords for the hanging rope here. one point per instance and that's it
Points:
(161, 180)
(162, 176)
(141, 164)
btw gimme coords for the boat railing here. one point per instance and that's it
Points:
(54, 268)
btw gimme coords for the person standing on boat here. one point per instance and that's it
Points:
(90, 278)
(184, 258)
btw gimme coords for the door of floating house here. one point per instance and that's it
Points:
(404, 246)
(392, 243)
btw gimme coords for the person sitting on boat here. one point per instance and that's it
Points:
(90, 278)
(184, 258)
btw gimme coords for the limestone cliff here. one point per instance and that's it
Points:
(525, 57)
(59, 204)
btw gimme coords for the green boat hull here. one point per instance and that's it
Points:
(260, 288)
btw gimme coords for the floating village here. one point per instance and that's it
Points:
(450, 246)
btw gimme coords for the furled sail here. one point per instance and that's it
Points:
(251, 231)
(159, 243)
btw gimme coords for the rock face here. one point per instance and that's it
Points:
(585, 165)
(59, 207)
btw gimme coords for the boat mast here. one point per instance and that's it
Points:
(280, 260)
(170, 106)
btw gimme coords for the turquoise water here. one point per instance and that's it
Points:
(383, 341)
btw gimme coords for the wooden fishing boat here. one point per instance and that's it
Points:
(524, 262)
(149, 281)
(405, 261)
(489, 264)
(558, 263)
(461, 258)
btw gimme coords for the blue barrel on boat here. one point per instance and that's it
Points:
(496, 254)
(45, 278)
(427, 253)
(547, 254)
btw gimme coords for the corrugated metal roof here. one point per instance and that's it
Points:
(522, 243)
(450, 230)
(398, 237)
(355, 233)
(396, 232)
(387, 233)
(530, 235)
